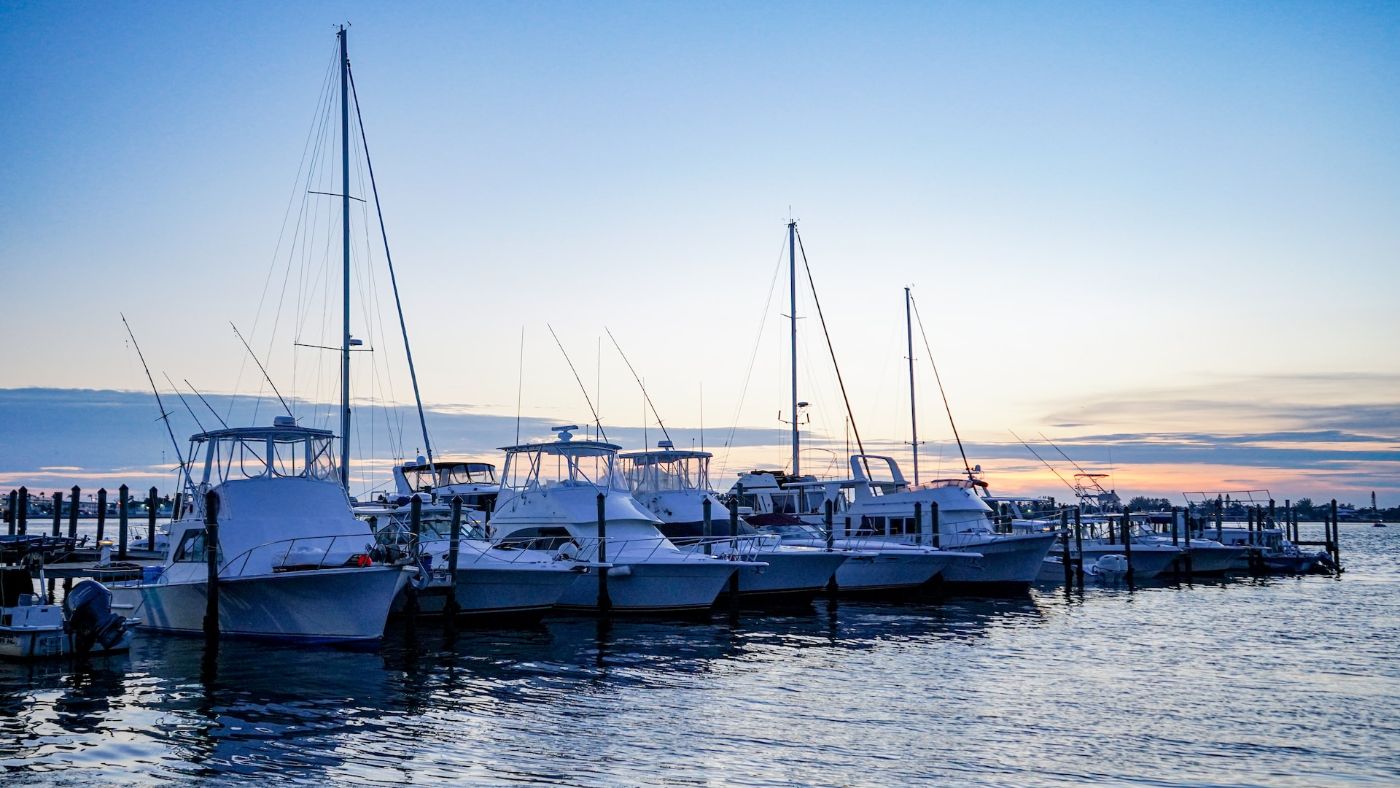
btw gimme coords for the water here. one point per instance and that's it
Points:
(1289, 681)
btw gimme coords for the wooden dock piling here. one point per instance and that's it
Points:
(454, 536)
(708, 522)
(123, 520)
(22, 513)
(936, 524)
(1335, 542)
(211, 562)
(1064, 549)
(151, 506)
(1128, 541)
(1079, 547)
(11, 510)
(101, 515)
(57, 514)
(604, 600)
(918, 522)
(74, 496)
(734, 555)
(828, 510)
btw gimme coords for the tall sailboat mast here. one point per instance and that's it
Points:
(792, 317)
(913, 417)
(345, 271)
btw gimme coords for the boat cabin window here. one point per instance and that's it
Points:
(650, 473)
(543, 538)
(256, 456)
(784, 503)
(191, 549)
(466, 473)
(574, 466)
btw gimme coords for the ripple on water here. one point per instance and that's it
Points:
(1280, 681)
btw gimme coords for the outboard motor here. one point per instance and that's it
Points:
(88, 608)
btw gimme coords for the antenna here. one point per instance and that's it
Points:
(164, 416)
(643, 387)
(1042, 459)
(519, 383)
(261, 369)
(597, 421)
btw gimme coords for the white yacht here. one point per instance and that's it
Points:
(875, 565)
(293, 562)
(674, 485)
(553, 496)
(490, 581)
(882, 510)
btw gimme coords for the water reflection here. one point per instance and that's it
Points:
(1181, 682)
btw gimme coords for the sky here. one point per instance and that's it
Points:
(1162, 235)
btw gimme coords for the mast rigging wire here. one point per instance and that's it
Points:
(944, 394)
(840, 381)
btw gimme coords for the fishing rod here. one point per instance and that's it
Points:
(640, 384)
(1082, 472)
(596, 420)
(261, 369)
(164, 415)
(1042, 459)
(184, 402)
(222, 423)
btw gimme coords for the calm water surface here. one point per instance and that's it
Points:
(1289, 681)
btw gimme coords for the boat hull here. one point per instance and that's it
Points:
(792, 576)
(1008, 561)
(320, 606)
(493, 591)
(25, 643)
(1216, 560)
(889, 571)
(1146, 562)
(652, 587)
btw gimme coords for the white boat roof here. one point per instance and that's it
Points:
(441, 463)
(277, 432)
(663, 455)
(566, 447)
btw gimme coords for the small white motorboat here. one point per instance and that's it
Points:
(32, 629)
(1108, 569)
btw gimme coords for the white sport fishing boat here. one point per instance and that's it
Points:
(490, 582)
(883, 511)
(874, 565)
(674, 485)
(552, 496)
(293, 562)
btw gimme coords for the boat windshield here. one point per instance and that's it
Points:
(232, 457)
(659, 473)
(554, 466)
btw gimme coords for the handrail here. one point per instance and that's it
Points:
(365, 547)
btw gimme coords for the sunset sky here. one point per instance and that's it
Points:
(1163, 235)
